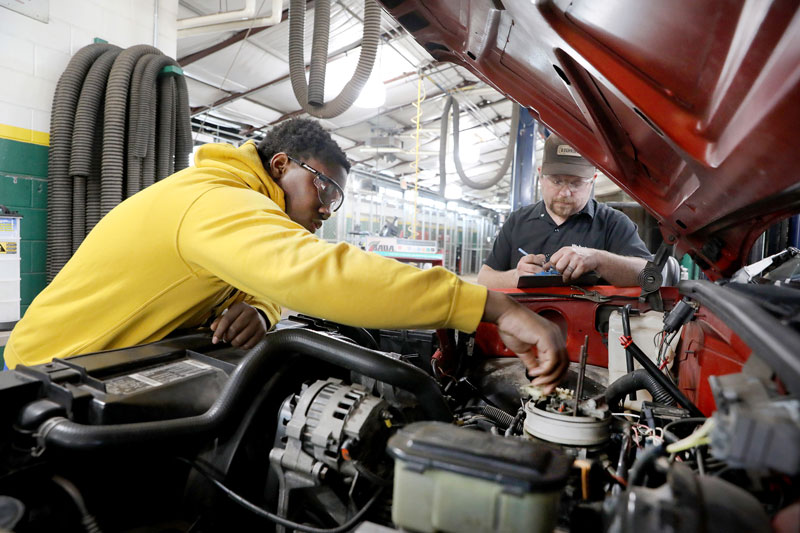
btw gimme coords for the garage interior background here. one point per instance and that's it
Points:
(238, 80)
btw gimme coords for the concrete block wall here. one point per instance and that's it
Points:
(33, 55)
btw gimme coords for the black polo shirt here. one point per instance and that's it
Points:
(595, 226)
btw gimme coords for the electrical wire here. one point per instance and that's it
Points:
(698, 438)
(347, 526)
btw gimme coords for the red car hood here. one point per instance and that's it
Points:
(692, 107)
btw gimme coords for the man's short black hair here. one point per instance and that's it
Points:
(302, 139)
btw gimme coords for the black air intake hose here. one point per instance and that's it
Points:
(243, 384)
(59, 188)
(635, 381)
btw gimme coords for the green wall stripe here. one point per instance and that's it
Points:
(23, 158)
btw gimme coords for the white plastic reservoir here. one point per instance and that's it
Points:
(9, 266)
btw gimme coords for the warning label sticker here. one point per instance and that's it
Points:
(155, 377)
(8, 224)
(8, 247)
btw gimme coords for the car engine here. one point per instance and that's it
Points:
(325, 427)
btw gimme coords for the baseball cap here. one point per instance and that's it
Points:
(559, 158)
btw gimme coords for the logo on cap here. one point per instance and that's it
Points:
(565, 149)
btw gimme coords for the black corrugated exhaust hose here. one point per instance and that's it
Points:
(78, 211)
(139, 115)
(166, 96)
(59, 193)
(93, 180)
(245, 381)
(309, 94)
(319, 53)
(635, 381)
(653, 370)
(144, 112)
(183, 135)
(85, 141)
(113, 171)
(501, 172)
(149, 163)
(173, 129)
(443, 125)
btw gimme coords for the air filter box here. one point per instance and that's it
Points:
(451, 479)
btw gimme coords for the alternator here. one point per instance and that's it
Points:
(329, 425)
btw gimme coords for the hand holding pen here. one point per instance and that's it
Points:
(530, 263)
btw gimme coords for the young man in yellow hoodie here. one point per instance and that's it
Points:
(231, 239)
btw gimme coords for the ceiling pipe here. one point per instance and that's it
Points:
(230, 20)
(249, 11)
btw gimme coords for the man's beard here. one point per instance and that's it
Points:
(563, 209)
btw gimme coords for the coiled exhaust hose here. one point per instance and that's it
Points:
(166, 128)
(634, 381)
(140, 117)
(114, 130)
(512, 141)
(310, 95)
(59, 188)
(85, 138)
(243, 384)
(90, 111)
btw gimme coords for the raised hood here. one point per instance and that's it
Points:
(692, 107)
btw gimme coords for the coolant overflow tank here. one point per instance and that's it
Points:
(451, 479)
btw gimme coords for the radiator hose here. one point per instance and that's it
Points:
(512, 140)
(244, 383)
(635, 381)
(310, 94)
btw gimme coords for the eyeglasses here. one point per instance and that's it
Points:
(573, 185)
(330, 193)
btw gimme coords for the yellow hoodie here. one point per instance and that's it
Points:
(170, 257)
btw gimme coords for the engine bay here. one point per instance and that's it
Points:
(682, 417)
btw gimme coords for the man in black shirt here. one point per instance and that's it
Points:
(567, 230)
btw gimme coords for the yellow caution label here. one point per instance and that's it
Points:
(8, 247)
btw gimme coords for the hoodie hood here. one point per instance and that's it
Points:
(244, 163)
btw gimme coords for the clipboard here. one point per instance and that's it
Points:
(555, 280)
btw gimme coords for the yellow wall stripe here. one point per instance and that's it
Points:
(25, 135)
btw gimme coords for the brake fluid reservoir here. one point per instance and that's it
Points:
(644, 330)
(450, 479)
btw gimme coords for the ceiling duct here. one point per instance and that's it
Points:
(230, 20)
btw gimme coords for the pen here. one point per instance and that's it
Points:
(523, 252)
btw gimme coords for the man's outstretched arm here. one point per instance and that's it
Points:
(575, 261)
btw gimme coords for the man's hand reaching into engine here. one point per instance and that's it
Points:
(241, 325)
(521, 330)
